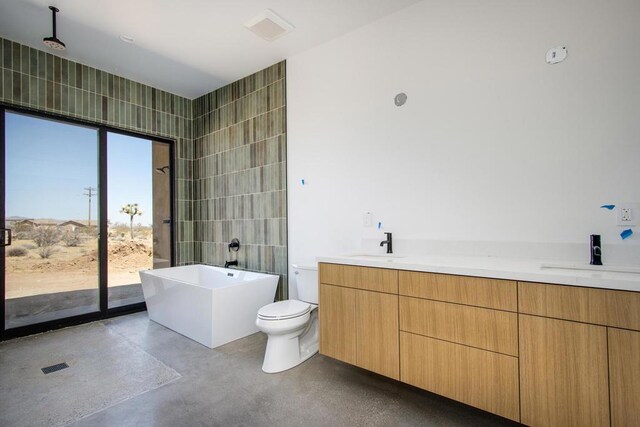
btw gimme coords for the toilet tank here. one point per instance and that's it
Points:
(306, 282)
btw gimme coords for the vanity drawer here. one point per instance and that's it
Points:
(477, 291)
(484, 328)
(367, 278)
(598, 306)
(476, 377)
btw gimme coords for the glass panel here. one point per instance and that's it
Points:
(51, 180)
(138, 214)
(161, 205)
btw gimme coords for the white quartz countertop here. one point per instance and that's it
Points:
(502, 268)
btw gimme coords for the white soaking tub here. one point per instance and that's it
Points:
(210, 305)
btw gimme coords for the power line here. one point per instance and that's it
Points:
(90, 193)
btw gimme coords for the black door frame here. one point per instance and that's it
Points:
(104, 310)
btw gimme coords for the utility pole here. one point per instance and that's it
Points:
(90, 193)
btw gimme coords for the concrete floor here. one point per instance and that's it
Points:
(44, 307)
(226, 387)
(104, 369)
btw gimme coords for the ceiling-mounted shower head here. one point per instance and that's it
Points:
(53, 42)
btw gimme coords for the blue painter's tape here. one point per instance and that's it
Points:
(379, 225)
(610, 207)
(626, 233)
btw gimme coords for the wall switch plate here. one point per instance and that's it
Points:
(367, 219)
(627, 215)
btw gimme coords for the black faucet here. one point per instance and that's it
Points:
(228, 264)
(596, 250)
(388, 242)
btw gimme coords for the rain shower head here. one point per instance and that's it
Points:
(163, 170)
(53, 42)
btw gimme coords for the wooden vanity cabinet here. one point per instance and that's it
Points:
(541, 354)
(359, 326)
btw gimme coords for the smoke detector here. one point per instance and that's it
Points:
(269, 26)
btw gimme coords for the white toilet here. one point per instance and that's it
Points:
(292, 325)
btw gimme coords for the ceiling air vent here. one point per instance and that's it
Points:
(269, 26)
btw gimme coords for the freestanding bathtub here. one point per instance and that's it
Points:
(210, 305)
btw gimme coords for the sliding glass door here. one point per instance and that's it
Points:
(84, 210)
(139, 214)
(51, 195)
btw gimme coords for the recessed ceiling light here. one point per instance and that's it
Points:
(269, 26)
(126, 39)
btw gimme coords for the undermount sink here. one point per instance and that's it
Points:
(379, 257)
(589, 267)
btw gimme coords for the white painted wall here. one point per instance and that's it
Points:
(492, 145)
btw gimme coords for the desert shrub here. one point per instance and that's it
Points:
(29, 246)
(17, 251)
(46, 236)
(119, 229)
(142, 231)
(46, 251)
(22, 228)
(22, 235)
(72, 238)
(90, 231)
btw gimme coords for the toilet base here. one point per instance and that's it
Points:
(284, 358)
(289, 350)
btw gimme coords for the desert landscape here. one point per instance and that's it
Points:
(45, 259)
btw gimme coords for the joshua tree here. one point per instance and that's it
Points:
(132, 210)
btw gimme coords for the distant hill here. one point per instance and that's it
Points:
(49, 221)
(16, 218)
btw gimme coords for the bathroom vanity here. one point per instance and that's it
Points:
(534, 351)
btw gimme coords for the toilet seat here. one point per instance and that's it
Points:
(282, 310)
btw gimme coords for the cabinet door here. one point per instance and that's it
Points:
(337, 322)
(624, 377)
(377, 333)
(563, 373)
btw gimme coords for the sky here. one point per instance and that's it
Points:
(49, 164)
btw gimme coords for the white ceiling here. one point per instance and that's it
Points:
(188, 47)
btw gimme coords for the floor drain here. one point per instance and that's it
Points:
(54, 368)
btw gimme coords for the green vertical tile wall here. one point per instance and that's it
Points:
(239, 174)
(230, 148)
(37, 80)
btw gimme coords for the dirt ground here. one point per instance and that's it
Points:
(75, 268)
